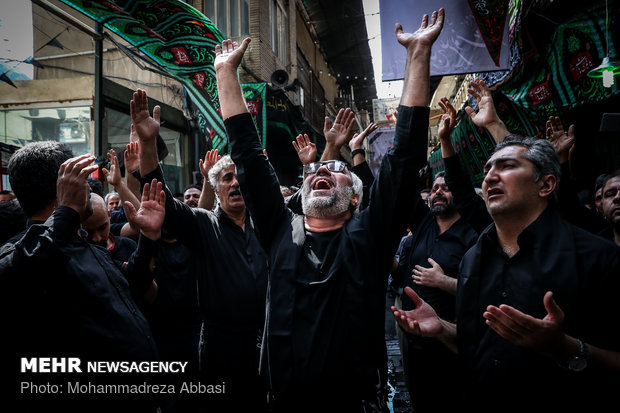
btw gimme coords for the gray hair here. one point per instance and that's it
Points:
(110, 195)
(541, 154)
(358, 189)
(214, 173)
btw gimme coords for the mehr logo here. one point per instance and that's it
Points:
(51, 365)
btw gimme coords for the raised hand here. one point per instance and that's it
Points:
(133, 135)
(146, 127)
(358, 139)
(425, 35)
(422, 320)
(72, 190)
(561, 140)
(113, 176)
(132, 156)
(306, 150)
(229, 54)
(486, 115)
(336, 133)
(150, 217)
(211, 157)
(448, 119)
(524, 330)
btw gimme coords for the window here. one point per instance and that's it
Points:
(232, 17)
(279, 30)
(70, 125)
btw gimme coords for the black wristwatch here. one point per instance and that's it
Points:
(580, 361)
(355, 152)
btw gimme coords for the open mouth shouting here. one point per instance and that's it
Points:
(322, 184)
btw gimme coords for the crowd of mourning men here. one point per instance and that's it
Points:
(508, 299)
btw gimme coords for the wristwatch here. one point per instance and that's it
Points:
(580, 361)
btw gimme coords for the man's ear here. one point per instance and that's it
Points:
(355, 201)
(548, 184)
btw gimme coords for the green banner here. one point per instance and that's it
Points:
(177, 37)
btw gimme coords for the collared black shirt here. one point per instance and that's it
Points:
(582, 271)
(232, 283)
(446, 249)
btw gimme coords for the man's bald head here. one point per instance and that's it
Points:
(98, 224)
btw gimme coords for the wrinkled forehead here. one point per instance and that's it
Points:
(229, 171)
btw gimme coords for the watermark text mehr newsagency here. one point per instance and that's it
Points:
(75, 365)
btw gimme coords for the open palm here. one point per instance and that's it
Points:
(426, 34)
(337, 133)
(306, 150)
(150, 217)
(230, 54)
(145, 125)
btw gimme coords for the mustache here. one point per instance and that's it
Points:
(439, 198)
(234, 191)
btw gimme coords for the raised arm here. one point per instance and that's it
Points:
(416, 85)
(466, 201)
(147, 128)
(486, 117)
(355, 144)
(392, 196)
(446, 126)
(207, 196)
(149, 219)
(360, 166)
(113, 176)
(336, 133)
(306, 150)
(180, 219)
(132, 164)
(227, 59)
(257, 179)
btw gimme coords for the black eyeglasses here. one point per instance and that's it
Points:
(332, 166)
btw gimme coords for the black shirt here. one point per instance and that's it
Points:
(232, 285)
(446, 249)
(581, 269)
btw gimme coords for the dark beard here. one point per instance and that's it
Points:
(443, 211)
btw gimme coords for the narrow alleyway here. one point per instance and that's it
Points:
(399, 397)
